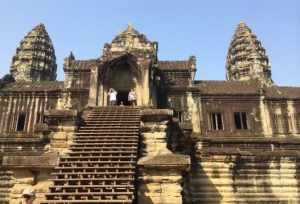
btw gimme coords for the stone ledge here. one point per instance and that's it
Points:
(61, 113)
(254, 139)
(156, 114)
(55, 117)
(17, 139)
(47, 160)
(237, 151)
(181, 162)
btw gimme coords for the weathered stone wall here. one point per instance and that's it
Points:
(160, 170)
(37, 180)
(227, 107)
(227, 178)
(33, 105)
(285, 117)
(5, 185)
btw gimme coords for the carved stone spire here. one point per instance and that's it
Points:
(35, 57)
(247, 59)
(68, 60)
(130, 40)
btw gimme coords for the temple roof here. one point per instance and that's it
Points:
(251, 87)
(174, 65)
(83, 64)
(130, 32)
(228, 87)
(34, 86)
(169, 65)
(280, 92)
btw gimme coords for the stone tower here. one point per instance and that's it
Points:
(247, 59)
(35, 57)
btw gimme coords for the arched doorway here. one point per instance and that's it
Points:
(122, 75)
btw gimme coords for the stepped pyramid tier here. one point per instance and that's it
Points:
(247, 58)
(35, 57)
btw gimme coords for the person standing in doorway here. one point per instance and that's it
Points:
(112, 97)
(132, 97)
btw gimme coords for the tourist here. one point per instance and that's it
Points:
(28, 196)
(132, 97)
(112, 97)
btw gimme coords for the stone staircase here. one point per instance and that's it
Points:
(101, 164)
(6, 182)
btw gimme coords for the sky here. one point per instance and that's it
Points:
(182, 28)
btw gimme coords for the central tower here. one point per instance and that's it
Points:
(126, 64)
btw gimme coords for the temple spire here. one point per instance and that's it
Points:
(69, 60)
(247, 59)
(35, 57)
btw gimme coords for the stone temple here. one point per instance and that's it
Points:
(187, 141)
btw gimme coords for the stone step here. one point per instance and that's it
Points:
(112, 181)
(108, 130)
(121, 140)
(109, 127)
(112, 114)
(91, 195)
(131, 173)
(94, 186)
(120, 201)
(111, 133)
(103, 168)
(112, 121)
(96, 157)
(97, 149)
(95, 153)
(108, 134)
(95, 162)
(104, 144)
(96, 176)
(101, 161)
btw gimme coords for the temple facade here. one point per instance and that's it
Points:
(187, 140)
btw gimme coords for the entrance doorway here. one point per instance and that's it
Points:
(122, 98)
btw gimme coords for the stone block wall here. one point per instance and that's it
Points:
(160, 170)
(27, 178)
(228, 177)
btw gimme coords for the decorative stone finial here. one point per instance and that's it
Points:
(68, 60)
(35, 57)
(130, 27)
(71, 56)
(247, 59)
(242, 24)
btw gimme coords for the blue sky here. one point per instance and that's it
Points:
(182, 28)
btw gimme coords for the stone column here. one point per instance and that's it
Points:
(62, 124)
(194, 112)
(93, 87)
(160, 170)
(265, 117)
(292, 126)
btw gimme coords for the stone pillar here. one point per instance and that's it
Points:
(160, 170)
(93, 95)
(292, 126)
(265, 118)
(194, 112)
(62, 124)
